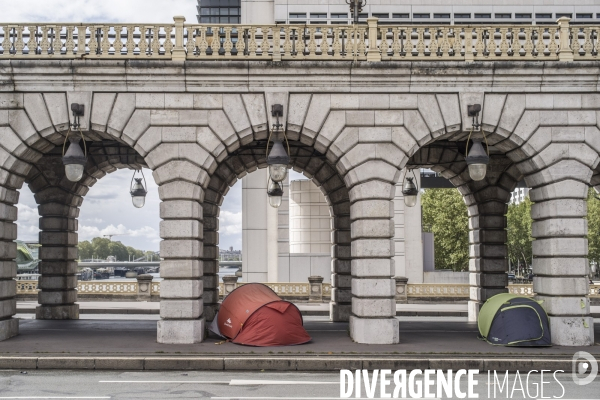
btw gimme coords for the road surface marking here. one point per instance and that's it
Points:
(300, 398)
(245, 382)
(55, 397)
(217, 382)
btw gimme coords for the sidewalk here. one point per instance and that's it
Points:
(131, 345)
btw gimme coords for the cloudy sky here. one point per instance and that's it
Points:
(97, 11)
(107, 208)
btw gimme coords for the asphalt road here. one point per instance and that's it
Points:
(243, 385)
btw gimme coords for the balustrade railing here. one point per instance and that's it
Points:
(286, 289)
(370, 42)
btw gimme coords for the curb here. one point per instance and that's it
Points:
(254, 363)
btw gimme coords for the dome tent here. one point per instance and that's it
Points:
(254, 315)
(511, 320)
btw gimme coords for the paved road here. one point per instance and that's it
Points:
(224, 386)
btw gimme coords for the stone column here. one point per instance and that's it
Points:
(373, 318)
(488, 253)
(9, 326)
(340, 306)
(560, 261)
(210, 260)
(181, 305)
(58, 255)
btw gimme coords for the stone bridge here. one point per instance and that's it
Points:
(355, 120)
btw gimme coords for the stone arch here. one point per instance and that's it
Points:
(59, 201)
(250, 158)
(33, 127)
(367, 138)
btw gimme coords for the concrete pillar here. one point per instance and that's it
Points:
(58, 255)
(9, 326)
(283, 234)
(181, 304)
(258, 255)
(560, 261)
(408, 242)
(373, 318)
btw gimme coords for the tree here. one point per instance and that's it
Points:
(593, 222)
(445, 214)
(101, 249)
(86, 250)
(518, 221)
(118, 250)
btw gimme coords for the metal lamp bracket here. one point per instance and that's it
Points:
(78, 111)
(473, 110)
(277, 111)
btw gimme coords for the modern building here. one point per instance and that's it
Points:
(398, 11)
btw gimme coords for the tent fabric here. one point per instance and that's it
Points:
(254, 315)
(512, 320)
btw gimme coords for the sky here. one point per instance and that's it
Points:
(97, 11)
(107, 208)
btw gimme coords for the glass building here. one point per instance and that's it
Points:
(219, 11)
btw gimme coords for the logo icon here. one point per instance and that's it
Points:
(584, 368)
(228, 320)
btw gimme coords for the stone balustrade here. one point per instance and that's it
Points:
(368, 42)
(286, 290)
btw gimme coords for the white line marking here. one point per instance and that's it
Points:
(301, 398)
(56, 397)
(245, 382)
(216, 382)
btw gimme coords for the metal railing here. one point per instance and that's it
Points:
(370, 42)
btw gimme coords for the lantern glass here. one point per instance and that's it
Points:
(410, 192)
(275, 201)
(74, 172)
(278, 172)
(138, 201)
(477, 171)
(410, 200)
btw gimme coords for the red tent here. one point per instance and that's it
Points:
(254, 315)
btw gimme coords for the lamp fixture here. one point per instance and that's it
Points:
(138, 190)
(74, 159)
(278, 159)
(410, 191)
(477, 158)
(275, 192)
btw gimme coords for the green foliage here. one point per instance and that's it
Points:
(518, 221)
(593, 220)
(101, 248)
(445, 214)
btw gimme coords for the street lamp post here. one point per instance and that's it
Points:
(356, 8)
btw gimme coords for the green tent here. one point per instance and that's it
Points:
(511, 320)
